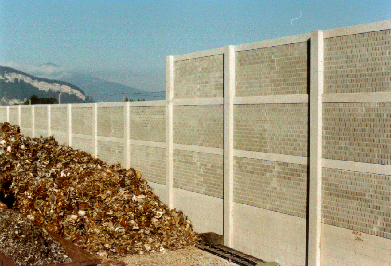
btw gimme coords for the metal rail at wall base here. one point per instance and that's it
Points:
(213, 243)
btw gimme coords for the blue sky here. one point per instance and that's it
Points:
(126, 40)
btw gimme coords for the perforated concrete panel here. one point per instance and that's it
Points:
(276, 186)
(199, 77)
(272, 128)
(13, 116)
(358, 63)
(111, 152)
(82, 120)
(357, 132)
(199, 172)
(111, 121)
(59, 119)
(3, 114)
(199, 125)
(148, 123)
(150, 161)
(357, 201)
(276, 70)
(83, 143)
(26, 118)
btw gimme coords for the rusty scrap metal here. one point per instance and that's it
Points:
(105, 209)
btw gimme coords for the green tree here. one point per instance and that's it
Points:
(36, 100)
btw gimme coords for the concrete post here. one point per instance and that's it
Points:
(8, 114)
(95, 128)
(170, 130)
(33, 120)
(49, 120)
(315, 156)
(19, 115)
(69, 124)
(127, 135)
(229, 93)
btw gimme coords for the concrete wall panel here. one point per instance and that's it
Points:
(199, 172)
(148, 123)
(150, 161)
(199, 77)
(358, 63)
(59, 120)
(82, 120)
(111, 121)
(199, 125)
(272, 128)
(277, 70)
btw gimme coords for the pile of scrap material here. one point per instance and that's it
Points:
(105, 209)
(27, 244)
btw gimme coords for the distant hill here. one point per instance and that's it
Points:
(17, 86)
(105, 91)
(100, 89)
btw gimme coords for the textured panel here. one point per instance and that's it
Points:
(358, 132)
(59, 119)
(148, 123)
(27, 132)
(41, 118)
(111, 152)
(150, 161)
(274, 70)
(199, 78)
(82, 120)
(199, 125)
(358, 63)
(277, 186)
(26, 118)
(357, 201)
(61, 139)
(271, 128)
(111, 121)
(3, 114)
(199, 172)
(84, 144)
(41, 133)
(14, 116)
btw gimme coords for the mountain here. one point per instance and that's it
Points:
(100, 89)
(105, 91)
(17, 86)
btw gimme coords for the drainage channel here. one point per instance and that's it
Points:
(213, 243)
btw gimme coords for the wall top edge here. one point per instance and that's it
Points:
(59, 106)
(148, 103)
(199, 101)
(376, 26)
(110, 104)
(273, 42)
(199, 54)
(100, 104)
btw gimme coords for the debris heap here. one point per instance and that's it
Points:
(105, 209)
(27, 244)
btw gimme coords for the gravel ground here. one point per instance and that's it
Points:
(190, 256)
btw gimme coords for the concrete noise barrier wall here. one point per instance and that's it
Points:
(283, 146)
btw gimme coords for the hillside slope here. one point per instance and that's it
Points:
(17, 86)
